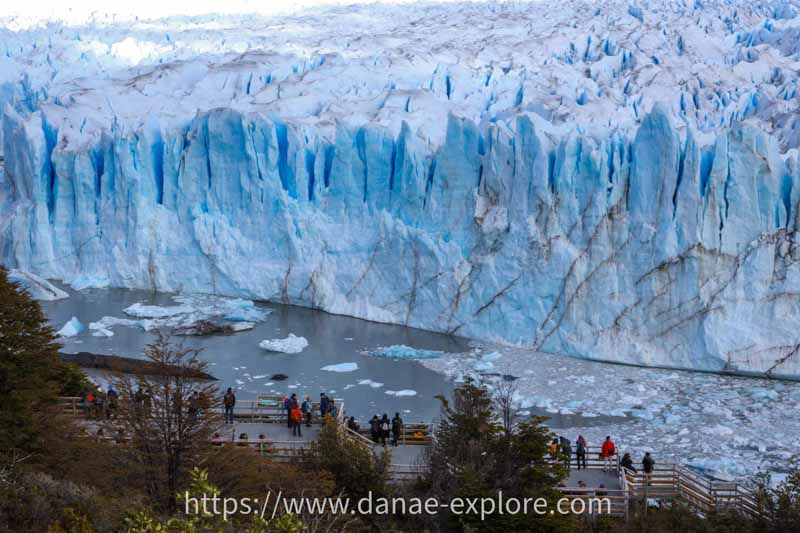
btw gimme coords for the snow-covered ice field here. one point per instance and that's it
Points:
(607, 180)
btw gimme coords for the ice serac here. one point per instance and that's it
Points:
(630, 194)
(519, 234)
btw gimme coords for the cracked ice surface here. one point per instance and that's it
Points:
(589, 179)
(730, 427)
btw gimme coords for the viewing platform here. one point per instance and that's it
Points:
(261, 426)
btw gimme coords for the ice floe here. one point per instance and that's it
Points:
(401, 351)
(341, 367)
(290, 344)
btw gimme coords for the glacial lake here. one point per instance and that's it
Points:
(238, 361)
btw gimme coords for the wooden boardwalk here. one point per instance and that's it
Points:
(261, 425)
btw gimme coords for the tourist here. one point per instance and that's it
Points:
(352, 425)
(566, 453)
(627, 463)
(287, 406)
(307, 409)
(554, 449)
(229, 401)
(580, 452)
(607, 452)
(601, 490)
(87, 400)
(323, 404)
(112, 401)
(386, 428)
(375, 428)
(397, 428)
(647, 465)
(296, 415)
(99, 404)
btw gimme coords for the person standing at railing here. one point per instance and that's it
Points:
(324, 404)
(385, 428)
(229, 402)
(580, 452)
(375, 428)
(607, 452)
(352, 425)
(397, 428)
(332, 409)
(554, 450)
(648, 463)
(627, 463)
(296, 417)
(307, 409)
(112, 401)
(566, 453)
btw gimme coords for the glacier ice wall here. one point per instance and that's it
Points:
(621, 186)
(646, 249)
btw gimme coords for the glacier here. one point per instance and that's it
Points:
(599, 181)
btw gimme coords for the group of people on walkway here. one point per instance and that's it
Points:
(297, 412)
(561, 451)
(99, 404)
(381, 429)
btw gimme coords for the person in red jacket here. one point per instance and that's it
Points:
(607, 452)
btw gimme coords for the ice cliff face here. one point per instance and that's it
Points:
(615, 182)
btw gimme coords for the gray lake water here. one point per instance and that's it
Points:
(236, 359)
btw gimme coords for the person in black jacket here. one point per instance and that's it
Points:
(647, 465)
(229, 401)
(375, 428)
(627, 463)
(397, 428)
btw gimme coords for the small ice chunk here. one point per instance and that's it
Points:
(373, 384)
(404, 392)
(291, 344)
(341, 367)
(71, 328)
(401, 351)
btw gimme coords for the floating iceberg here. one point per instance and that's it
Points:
(341, 367)
(195, 315)
(373, 384)
(401, 351)
(72, 328)
(38, 288)
(401, 393)
(99, 329)
(291, 344)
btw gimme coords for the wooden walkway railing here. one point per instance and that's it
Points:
(667, 481)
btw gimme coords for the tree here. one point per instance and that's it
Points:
(479, 450)
(355, 468)
(32, 375)
(167, 418)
